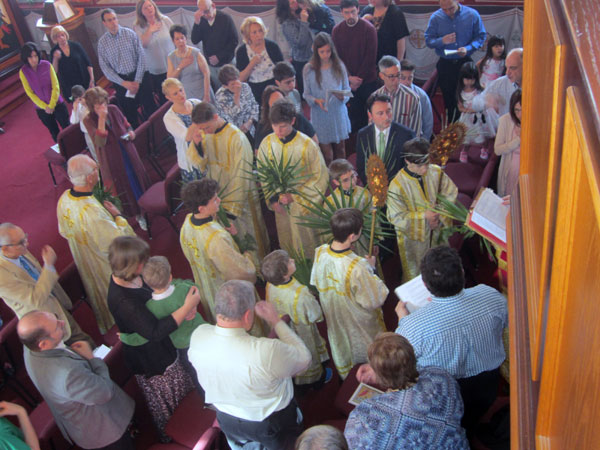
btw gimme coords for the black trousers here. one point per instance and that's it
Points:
(51, 121)
(299, 67)
(479, 393)
(156, 83)
(277, 432)
(144, 96)
(357, 109)
(123, 443)
(258, 88)
(448, 70)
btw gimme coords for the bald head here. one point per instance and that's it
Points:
(13, 240)
(80, 169)
(40, 331)
(514, 65)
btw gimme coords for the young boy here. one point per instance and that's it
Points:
(78, 114)
(285, 79)
(351, 294)
(343, 179)
(213, 255)
(168, 295)
(411, 191)
(291, 297)
(288, 144)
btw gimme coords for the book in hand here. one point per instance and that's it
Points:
(414, 294)
(363, 392)
(487, 217)
(101, 351)
(330, 92)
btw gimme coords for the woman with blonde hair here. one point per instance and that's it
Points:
(153, 29)
(147, 348)
(70, 61)
(178, 122)
(256, 58)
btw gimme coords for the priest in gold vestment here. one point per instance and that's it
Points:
(351, 294)
(289, 145)
(410, 195)
(90, 227)
(222, 151)
(211, 251)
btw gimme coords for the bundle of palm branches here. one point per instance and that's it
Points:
(102, 194)
(458, 213)
(278, 176)
(321, 213)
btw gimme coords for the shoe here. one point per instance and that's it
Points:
(328, 375)
(142, 222)
(484, 154)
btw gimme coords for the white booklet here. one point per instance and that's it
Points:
(488, 217)
(101, 351)
(414, 294)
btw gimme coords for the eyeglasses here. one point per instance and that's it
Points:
(393, 77)
(22, 242)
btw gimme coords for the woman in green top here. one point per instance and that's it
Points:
(11, 438)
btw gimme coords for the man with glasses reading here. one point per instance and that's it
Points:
(406, 106)
(219, 37)
(26, 286)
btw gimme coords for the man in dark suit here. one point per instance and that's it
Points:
(383, 137)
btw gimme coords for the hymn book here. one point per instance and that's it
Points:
(414, 294)
(487, 217)
(363, 392)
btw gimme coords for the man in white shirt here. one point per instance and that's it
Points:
(496, 96)
(248, 379)
(407, 76)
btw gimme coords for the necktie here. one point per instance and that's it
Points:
(381, 145)
(32, 271)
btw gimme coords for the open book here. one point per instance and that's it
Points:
(487, 217)
(414, 294)
(329, 93)
(363, 392)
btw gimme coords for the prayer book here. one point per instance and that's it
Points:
(414, 294)
(363, 392)
(101, 351)
(487, 217)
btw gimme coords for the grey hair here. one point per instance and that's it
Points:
(4, 229)
(388, 61)
(517, 50)
(321, 437)
(234, 298)
(78, 168)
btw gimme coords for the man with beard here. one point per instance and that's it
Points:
(355, 40)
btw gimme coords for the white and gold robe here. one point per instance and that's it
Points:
(295, 299)
(312, 165)
(214, 258)
(351, 297)
(406, 207)
(228, 159)
(90, 228)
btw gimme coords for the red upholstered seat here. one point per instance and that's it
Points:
(159, 199)
(71, 141)
(340, 424)
(118, 369)
(346, 390)
(466, 176)
(161, 138)
(144, 145)
(46, 429)
(191, 420)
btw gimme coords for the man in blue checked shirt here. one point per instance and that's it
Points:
(460, 330)
(122, 61)
(455, 32)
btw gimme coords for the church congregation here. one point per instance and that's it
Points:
(305, 191)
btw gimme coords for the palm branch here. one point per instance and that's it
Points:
(103, 194)
(303, 268)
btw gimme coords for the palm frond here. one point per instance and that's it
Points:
(103, 194)
(303, 267)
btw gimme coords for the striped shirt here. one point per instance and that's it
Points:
(461, 334)
(121, 54)
(406, 107)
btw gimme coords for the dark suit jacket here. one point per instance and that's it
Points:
(365, 145)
